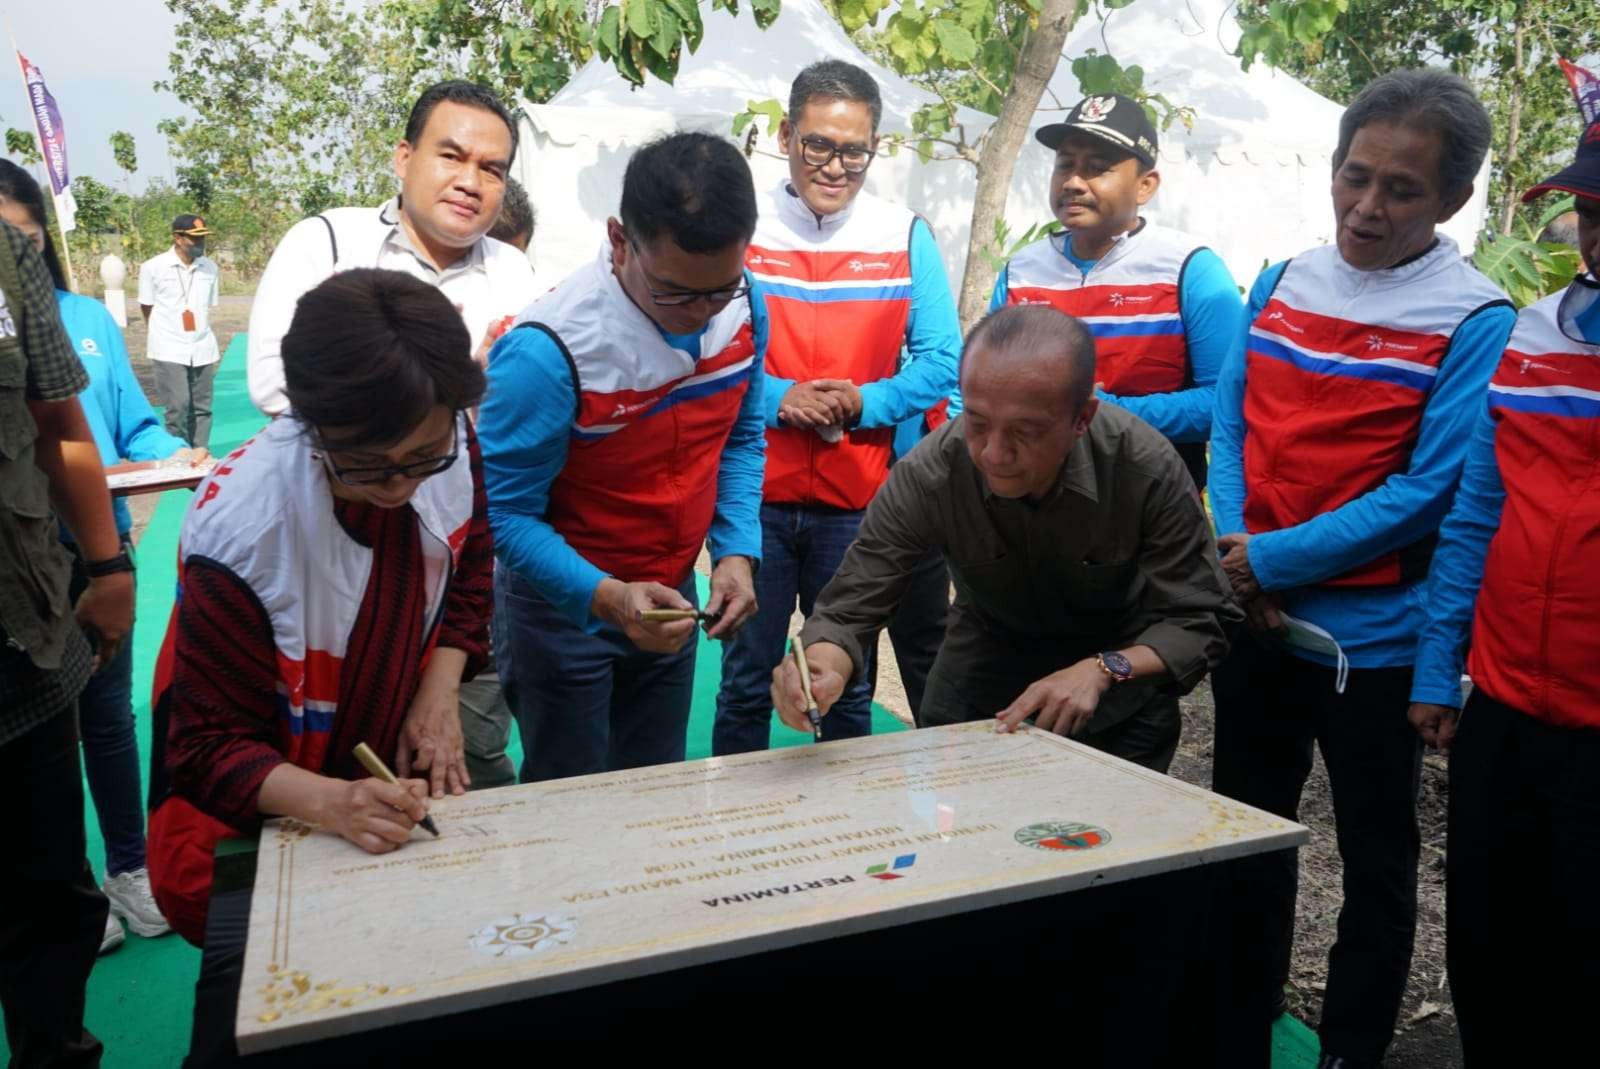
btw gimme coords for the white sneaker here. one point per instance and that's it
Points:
(132, 901)
(113, 937)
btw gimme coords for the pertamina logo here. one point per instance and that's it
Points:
(1119, 299)
(1278, 317)
(628, 410)
(859, 266)
(892, 870)
(1528, 364)
(757, 260)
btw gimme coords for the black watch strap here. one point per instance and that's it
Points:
(97, 569)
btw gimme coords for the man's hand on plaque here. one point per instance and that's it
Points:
(375, 815)
(623, 604)
(1435, 723)
(431, 739)
(1064, 701)
(733, 596)
(830, 671)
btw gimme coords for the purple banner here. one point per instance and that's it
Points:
(47, 120)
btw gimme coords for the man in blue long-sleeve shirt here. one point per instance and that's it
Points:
(1340, 424)
(1163, 308)
(1515, 572)
(851, 282)
(622, 429)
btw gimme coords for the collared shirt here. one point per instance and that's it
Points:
(170, 286)
(1118, 554)
(29, 696)
(491, 281)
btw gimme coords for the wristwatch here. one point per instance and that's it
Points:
(97, 569)
(1115, 665)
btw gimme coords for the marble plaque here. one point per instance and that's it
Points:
(548, 887)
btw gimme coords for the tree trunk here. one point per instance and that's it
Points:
(1040, 54)
(1508, 210)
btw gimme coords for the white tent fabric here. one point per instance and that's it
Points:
(1251, 178)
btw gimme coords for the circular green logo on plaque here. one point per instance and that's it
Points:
(1062, 835)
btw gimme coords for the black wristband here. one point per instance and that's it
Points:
(97, 569)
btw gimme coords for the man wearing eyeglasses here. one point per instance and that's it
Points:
(622, 430)
(865, 337)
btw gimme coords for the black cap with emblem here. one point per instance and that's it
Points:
(1113, 118)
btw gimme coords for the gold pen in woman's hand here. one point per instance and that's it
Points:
(374, 764)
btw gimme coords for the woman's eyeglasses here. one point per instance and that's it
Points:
(420, 469)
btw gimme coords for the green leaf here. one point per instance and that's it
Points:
(959, 46)
(609, 34)
(668, 33)
(640, 17)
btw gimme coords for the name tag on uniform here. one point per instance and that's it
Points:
(188, 320)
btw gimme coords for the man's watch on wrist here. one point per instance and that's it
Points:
(99, 569)
(1116, 666)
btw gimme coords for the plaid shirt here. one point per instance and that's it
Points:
(28, 696)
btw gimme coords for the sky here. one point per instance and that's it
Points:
(100, 59)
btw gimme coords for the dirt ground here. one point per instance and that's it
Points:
(1426, 1035)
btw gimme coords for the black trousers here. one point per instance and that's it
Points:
(1521, 876)
(52, 915)
(1271, 708)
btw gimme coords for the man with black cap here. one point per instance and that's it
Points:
(1163, 308)
(1514, 572)
(177, 290)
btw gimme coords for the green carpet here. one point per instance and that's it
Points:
(141, 995)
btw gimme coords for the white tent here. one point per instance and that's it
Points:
(1251, 178)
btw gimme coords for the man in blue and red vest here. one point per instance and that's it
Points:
(622, 430)
(1340, 428)
(865, 337)
(1163, 308)
(1516, 573)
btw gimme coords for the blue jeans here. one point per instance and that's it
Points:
(800, 550)
(586, 702)
(111, 760)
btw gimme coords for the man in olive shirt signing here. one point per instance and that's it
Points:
(1088, 593)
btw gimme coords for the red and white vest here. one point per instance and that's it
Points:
(1340, 364)
(639, 489)
(838, 294)
(1128, 300)
(1536, 632)
(266, 514)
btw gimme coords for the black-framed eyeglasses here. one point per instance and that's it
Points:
(419, 469)
(819, 152)
(677, 298)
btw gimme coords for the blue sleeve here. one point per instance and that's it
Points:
(1408, 504)
(1457, 571)
(1225, 479)
(523, 429)
(1212, 311)
(736, 524)
(1002, 289)
(933, 342)
(139, 432)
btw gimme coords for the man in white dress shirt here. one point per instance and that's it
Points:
(452, 165)
(177, 290)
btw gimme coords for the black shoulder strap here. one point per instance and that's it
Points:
(333, 241)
